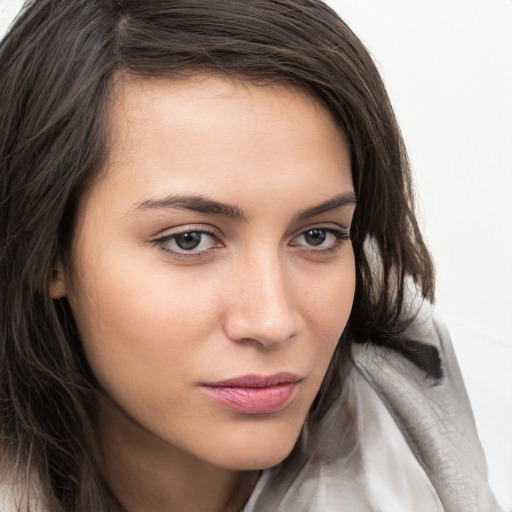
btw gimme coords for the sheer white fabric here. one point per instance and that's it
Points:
(362, 463)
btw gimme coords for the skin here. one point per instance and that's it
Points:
(255, 297)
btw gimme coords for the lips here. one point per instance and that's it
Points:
(255, 394)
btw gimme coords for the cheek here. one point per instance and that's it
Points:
(329, 303)
(326, 309)
(134, 323)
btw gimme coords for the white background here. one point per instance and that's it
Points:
(447, 65)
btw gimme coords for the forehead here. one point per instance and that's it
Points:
(217, 135)
(202, 100)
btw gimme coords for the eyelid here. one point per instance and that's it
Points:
(186, 228)
(341, 234)
(166, 235)
(328, 226)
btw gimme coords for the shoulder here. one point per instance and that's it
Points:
(434, 414)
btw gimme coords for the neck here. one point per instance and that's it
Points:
(146, 474)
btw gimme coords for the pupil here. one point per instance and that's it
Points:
(315, 236)
(188, 241)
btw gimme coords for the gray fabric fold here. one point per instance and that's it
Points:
(435, 418)
(405, 443)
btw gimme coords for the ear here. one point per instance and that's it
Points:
(58, 283)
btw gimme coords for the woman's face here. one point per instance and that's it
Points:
(212, 271)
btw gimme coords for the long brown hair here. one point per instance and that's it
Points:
(58, 64)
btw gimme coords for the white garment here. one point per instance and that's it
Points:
(395, 441)
(410, 446)
(378, 472)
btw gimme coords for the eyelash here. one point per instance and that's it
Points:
(163, 242)
(340, 235)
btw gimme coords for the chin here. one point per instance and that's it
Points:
(257, 450)
(256, 461)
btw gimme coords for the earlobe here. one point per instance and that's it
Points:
(58, 283)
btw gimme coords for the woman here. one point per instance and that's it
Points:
(212, 270)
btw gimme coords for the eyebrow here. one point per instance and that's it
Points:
(202, 204)
(194, 203)
(339, 201)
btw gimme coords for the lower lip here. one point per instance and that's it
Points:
(254, 400)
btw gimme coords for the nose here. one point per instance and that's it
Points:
(262, 308)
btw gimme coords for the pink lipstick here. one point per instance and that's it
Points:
(255, 394)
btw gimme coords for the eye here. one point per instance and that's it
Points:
(315, 236)
(192, 242)
(321, 239)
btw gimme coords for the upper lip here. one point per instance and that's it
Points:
(256, 381)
